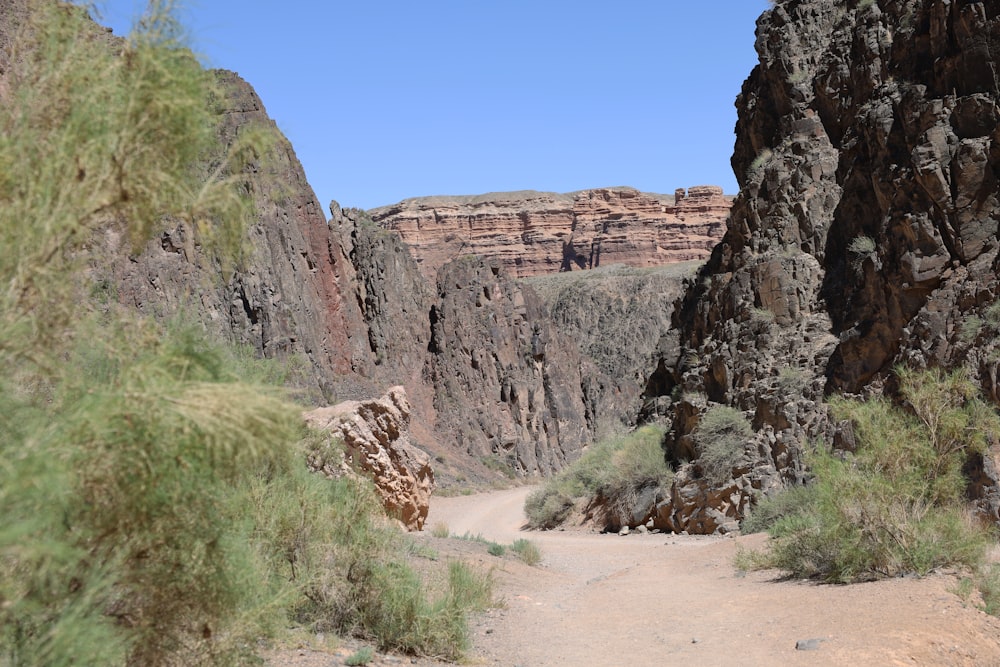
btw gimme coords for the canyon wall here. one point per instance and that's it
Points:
(864, 235)
(287, 299)
(343, 302)
(619, 318)
(534, 233)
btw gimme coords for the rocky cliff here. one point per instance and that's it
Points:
(617, 316)
(533, 233)
(864, 234)
(344, 302)
(286, 300)
(508, 385)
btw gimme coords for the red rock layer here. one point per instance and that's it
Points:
(534, 233)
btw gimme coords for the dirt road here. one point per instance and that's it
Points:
(641, 600)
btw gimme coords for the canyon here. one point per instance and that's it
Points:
(864, 236)
(508, 333)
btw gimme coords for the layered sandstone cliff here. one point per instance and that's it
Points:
(864, 235)
(533, 233)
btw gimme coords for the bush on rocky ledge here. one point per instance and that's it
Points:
(896, 505)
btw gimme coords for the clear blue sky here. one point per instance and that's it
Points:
(389, 99)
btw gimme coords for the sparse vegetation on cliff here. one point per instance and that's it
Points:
(896, 505)
(721, 437)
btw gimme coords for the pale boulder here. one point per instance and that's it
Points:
(375, 435)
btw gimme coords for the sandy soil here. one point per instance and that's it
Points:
(677, 600)
(640, 600)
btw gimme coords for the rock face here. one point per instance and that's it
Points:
(286, 300)
(864, 234)
(387, 300)
(534, 233)
(375, 436)
(617, 315)
(507, 384)
(347, 298)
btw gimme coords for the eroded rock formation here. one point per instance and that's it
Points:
(864, 234)
(347, 298)
(619, 317)
(534, 233)
(375, 439)
(508, 385)
(286, 300)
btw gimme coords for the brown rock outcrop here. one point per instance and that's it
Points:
(375, 435)
(508, 386)
(864, 235)
(287, 298)
(534, 233)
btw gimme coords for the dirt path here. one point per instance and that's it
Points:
(673, 600)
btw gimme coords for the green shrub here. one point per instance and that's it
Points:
(792, 381)
(993, 314)
(400, 615)
(114, 546)
(970, 329)
(362, 656)
(861, 246)
(721, 438)
(613, 470)
(440, 529)
(156, 510)
(768, 511)
(987, 580)
(896, 505)
(527, 551)
(468, 590)
(504, 466)
(548, 507)
(151, 436)
(342, 566)
(759, 163)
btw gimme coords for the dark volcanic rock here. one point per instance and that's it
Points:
(620, 317)
(390, 297)
(347, 297)
(286, 299)
(507, 384)
(865, 232)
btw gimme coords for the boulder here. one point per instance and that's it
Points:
(375, 437)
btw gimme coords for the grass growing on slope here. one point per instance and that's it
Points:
(615, 469)
(527, 551)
